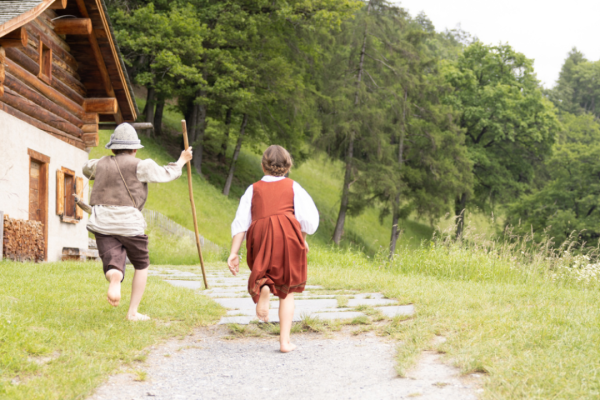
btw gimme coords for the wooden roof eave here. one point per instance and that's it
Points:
(24, 18)
(124, 77)
(108, 56)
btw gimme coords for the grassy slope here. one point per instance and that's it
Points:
(59, 338)
(321, 178)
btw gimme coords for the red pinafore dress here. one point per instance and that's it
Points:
(274, 242)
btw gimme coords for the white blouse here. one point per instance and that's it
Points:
(304, 208)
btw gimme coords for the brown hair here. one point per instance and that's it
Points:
(276, 160)
(121, 151)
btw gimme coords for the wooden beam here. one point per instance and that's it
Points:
(91, 139)
(136, 125)
(91, 118)
(101, 105)
(73, 26)
(58, 5)
(42, 101)
(89, 128)
(51, 93)
(16, 38)
(28, 107)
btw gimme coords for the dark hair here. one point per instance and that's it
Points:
(123, 151)
(276, 160)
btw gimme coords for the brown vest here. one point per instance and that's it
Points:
(109, 189)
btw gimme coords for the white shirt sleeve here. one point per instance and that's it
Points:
(305, 210)
(89, 168)
(150, 172)
(243, 216)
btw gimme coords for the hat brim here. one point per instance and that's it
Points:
(124, 146)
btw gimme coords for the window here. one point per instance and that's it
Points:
(67, 184)
(45, 62)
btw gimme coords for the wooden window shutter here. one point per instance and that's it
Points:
(60, 192)
(79, 192)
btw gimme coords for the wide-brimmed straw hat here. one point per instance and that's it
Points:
(124, 138)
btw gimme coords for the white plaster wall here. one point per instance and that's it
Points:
(16, 137)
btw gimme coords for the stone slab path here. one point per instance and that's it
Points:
(213, 364)
(231, 292)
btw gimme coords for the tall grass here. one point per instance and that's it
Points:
(515, 311)
(476, 257)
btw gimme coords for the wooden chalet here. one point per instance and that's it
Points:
(61, 76)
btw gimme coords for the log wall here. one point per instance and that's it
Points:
(53, 103)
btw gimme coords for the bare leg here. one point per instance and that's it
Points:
(137, 291)
(262, 307)
(114, 276)
(286, 314)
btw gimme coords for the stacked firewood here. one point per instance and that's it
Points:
(23, 240)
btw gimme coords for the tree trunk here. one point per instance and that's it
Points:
(190, 120)
(459, 211)
(396, 204)
(149, 109)
(200, 127)
(395, 227)
(339, 226)
(236, 153)
(150, 102)
(158, 117)
(223, 153)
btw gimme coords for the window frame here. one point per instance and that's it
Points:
(66, 207)
(45, 63)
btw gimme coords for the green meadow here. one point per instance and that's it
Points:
(503, 308)
(59, 337)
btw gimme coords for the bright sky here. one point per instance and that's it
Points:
(542, 30)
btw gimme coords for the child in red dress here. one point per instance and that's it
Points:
(275, 214)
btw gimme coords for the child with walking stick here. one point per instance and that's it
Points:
(118, 197)
(275, 215)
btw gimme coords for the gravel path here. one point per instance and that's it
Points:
(211, 364)
(207, 366)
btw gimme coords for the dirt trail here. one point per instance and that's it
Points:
(212, 364)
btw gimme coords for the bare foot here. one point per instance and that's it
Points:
(138, 317)
(286, 348)
(114, 289)
(262, 307)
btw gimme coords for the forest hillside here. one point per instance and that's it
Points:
(321, 177)
(389, 120)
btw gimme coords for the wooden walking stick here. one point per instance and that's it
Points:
(189, 173)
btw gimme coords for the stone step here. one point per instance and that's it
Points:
(232, 294)
(274, 317)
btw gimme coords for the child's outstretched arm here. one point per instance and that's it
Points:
(149, 171)
(234, 258)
